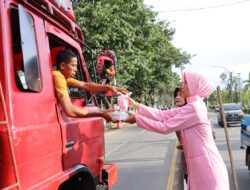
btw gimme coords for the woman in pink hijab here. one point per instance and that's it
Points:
(206, 169)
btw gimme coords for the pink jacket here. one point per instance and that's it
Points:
(206, 168)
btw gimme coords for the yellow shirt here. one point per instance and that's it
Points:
(61, 83)
(110, 72)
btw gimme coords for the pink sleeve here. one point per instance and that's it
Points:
(185, 118)
(156, 114)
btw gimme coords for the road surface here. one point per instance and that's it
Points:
(143, 157)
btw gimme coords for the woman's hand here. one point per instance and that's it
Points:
(132, 103)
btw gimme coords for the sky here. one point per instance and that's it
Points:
(215, 32)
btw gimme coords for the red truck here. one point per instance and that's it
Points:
(40, 147)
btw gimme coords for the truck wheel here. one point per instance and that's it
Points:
(221, 124)
(247, 156)
(218, 122)
(80, 181)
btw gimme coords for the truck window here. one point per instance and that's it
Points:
(25, 58)
(56, 44)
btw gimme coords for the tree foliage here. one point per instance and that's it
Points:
(240, 93)
(247, 83)
(145, 53)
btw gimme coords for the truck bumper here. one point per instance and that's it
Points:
(109, 174)
(234, 121)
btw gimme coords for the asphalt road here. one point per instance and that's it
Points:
(243, 176)
(143, 158)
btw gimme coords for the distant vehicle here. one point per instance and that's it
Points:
(233, 113)
(245, 140)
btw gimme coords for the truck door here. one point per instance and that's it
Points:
(31, 102)
(82, 138)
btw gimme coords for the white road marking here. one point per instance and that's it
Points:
(110, 152)
(118, 147)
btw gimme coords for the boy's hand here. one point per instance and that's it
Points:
(117, 89)
(131, 118)
(179, 146)
(121, 90)
(107, 115)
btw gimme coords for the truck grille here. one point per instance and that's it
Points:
(234, 117)
(101, 187)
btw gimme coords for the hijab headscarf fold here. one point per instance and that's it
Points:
(198, 85)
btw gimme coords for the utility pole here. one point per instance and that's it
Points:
(248, 89)
(230, 81)
(231, 85)
(240, 90)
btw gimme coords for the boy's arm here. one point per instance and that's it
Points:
(94, 87)
(74, 111)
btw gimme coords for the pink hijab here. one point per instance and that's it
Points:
(198, 85)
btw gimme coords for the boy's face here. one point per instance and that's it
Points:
(179, 100)
(69, 70)
(112, 67)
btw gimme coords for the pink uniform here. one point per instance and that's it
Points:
(206, 169)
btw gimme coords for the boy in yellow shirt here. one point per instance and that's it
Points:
(110, 71)
(66, 62)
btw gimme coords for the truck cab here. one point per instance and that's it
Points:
(40, 146)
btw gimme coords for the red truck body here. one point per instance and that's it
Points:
(50, 150)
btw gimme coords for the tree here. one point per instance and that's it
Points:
(213, 100)
(143, 45)
(246, 95)
(247, 83)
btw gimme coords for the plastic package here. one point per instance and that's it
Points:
(120, 114)
(123, 101)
